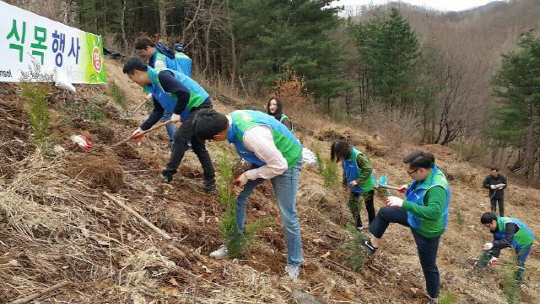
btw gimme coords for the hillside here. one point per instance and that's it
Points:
(56, 225)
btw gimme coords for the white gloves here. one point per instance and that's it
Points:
(149, 97)
(136, 135)
(394, 201)
(175, 118)
(241, 180)
(493, 261)
(493, 187)
(353, 183)
(487, 246)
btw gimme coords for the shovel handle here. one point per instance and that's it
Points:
(144, 132)
(390, 187)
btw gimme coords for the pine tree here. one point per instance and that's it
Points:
(389, 50)
(517, 84)
(291, 35)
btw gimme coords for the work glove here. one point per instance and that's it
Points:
(241, 180)
(493, 261)
(353, 183)
(493, 187)
(500, 186)
(487, 246)
(82, 141)
(176, 118)
(394, 201)
(403, 188)
(137, 135)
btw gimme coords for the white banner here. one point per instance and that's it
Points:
(27, 39)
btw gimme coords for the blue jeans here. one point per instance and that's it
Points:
(285, 188)
(522, 255)
(169, 127)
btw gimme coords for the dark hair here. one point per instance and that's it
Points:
(494, 167)
(143, 42)
(133, 64)
(488, 218)
(279, 110)
(339, 150)
(419, 159)
(208, 122)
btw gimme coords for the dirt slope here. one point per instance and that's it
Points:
(56, 225)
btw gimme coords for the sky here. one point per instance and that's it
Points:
(442, 5)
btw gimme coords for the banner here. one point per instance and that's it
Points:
(28, 40)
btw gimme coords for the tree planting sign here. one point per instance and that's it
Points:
(28, 41)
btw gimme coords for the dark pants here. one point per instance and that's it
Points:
(494, 201)
(183, 135)
(355, 201)
(427, 247)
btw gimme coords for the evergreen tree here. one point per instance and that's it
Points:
(281, 35)
(517, 84)
(389, 50)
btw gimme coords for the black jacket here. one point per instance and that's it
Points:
(490, 180)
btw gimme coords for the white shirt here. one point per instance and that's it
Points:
(259, 140)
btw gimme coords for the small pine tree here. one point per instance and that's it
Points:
(38, 110)
(118, 95)
(235, 241)
(357, 258)
(511, 288)
(448, 298)
(331, 174)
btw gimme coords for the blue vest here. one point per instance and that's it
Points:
(183, 63)
(169, 62)
(235, 135)
(352, 172)
(416, 192)
(523, 233)
(167, 100)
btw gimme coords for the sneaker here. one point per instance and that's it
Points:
(431, 301)
(210, 187)
(221, 253)
(292, 271)
(359, 228)
(369, 247)
(165, 178)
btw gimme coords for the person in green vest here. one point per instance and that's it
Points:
(424, 210)
(508, 232)
(276, 155)
(174, 91)
(358, 176)
(274, 108)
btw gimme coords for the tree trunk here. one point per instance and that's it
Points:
(233, 46)
(123, 26)
(162, 7)
(529, 151)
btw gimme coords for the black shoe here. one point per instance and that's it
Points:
(166, 178)
(210, 187)
(359, 225)
(369, 247)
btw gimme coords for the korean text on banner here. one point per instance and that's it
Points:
(27, 39)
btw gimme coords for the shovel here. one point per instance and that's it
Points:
(147, 131)
(383, 183)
